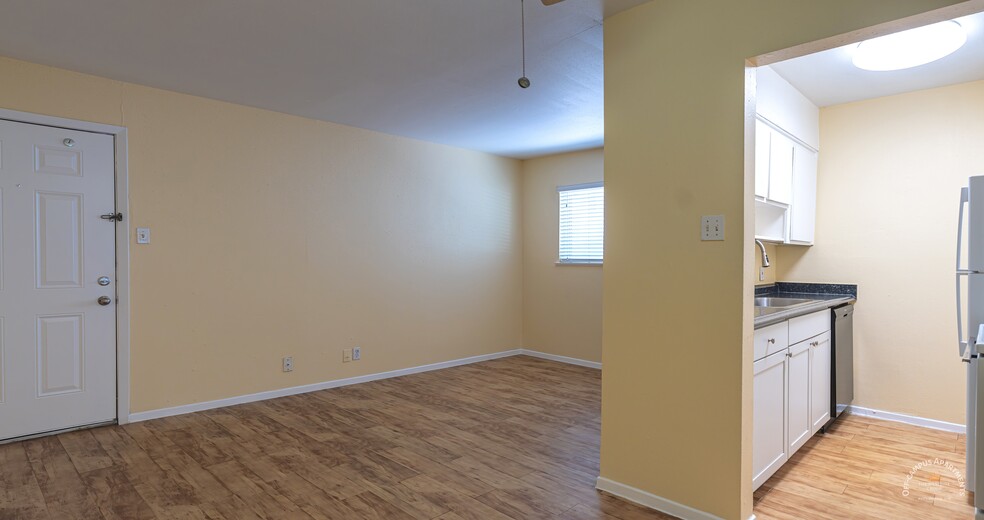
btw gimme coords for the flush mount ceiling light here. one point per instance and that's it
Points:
(910, 48)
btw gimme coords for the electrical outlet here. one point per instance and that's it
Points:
(761, 274)
(346, 355)
(712, 227)
(356, 353)
(288, 364)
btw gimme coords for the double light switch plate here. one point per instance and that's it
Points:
(712, 227)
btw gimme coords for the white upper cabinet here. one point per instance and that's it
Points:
(773, 164)
(781, 104)
(787, 137)
(763, 140)
(781, 169)
(803, 208)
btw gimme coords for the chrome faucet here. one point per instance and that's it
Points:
(765, 256)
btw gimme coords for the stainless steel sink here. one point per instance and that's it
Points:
(765, 311)
(767, 301)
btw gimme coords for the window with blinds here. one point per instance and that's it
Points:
(582, 223)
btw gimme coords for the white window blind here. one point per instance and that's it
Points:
(582, 223)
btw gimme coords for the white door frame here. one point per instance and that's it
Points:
(122, 242)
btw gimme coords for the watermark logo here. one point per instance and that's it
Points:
(931, 480)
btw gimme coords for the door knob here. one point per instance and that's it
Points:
(104, 300)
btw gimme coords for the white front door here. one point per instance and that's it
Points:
(57, 341)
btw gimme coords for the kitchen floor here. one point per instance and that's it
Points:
(515, 438)
(868, 468)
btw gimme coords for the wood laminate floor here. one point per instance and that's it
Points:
(515, 438)
(860, 469)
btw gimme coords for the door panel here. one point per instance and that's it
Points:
(58, 238)
(59, 354)
(57, 344)
(58, 161)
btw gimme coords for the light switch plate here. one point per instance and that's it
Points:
(712, 227)
(143, 235)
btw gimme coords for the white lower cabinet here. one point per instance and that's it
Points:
(791, 396)
(769, 423)
(820, 380)
(798, 423)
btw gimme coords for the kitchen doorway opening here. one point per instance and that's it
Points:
(853, 175)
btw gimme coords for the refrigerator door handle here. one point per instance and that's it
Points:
(964, 198)
(964, 346)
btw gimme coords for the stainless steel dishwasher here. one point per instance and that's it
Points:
(842, 361)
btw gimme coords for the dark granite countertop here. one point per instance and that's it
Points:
(824, 296)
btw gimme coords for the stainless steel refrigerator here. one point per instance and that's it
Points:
(970, 325)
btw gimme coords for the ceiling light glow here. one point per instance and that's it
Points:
(910, 48)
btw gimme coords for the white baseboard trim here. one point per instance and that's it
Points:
(561, 359)
(644, 498)
(907, 419)
(314, 387)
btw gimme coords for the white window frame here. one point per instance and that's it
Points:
(561, 260)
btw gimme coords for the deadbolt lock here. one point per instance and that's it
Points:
(103, 281)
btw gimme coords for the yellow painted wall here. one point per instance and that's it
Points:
(677, 326)
(888, 185)
(275, 235)
(561, 303)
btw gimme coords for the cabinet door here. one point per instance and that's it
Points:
(798, 424)
(763, 136)
(803, 209)
(780, 168)
(769, 417)
(820, 381)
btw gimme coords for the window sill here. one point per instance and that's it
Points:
(599, 264)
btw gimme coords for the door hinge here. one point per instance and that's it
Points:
(112, 217)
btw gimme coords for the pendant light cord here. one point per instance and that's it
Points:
(522, 6)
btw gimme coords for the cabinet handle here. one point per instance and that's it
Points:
(772, 340)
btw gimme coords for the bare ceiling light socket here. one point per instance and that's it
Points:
(524, 82)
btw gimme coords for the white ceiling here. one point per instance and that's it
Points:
(830, 78)
(439, 70)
